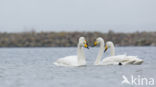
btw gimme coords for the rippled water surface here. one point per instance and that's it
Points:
(33, 67)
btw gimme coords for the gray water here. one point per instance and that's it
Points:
(33, 67)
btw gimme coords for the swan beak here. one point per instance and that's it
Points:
(86, 46)
(95, 43)
(106, 47)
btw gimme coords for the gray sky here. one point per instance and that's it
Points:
(77, 15)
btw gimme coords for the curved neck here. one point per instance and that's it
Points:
(112, 50)
(99, 56)
(80, 55)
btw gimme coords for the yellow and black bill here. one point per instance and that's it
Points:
(95, 43)
(106, 48)
(86, 45)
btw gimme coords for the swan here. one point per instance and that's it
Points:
(113, 60)
(76, 60)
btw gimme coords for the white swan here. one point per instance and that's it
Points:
(77, 60)
(113, 60)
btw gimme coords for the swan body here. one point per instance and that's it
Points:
(76, 60)
(123, 59)
(114, 60)
(68, 61)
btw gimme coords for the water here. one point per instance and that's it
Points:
(33, 67)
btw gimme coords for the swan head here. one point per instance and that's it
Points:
(98, 41)
(83, 42)
(108, 45)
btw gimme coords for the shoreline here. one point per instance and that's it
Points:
(69, 39)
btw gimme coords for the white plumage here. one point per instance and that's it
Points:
(67, 61)
(114, 60)
(76, 60)
(123, 59)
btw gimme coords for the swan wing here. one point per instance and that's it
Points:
(112, 60)
(125, 60)
(132, 60)
(67, 61)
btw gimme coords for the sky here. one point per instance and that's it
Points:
(77, 15)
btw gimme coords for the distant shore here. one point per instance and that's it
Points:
(70, 39)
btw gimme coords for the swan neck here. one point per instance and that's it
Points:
(80, 55)
(112, 50)
(99, 56)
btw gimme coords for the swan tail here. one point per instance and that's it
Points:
(139, 62)
(55, 63)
